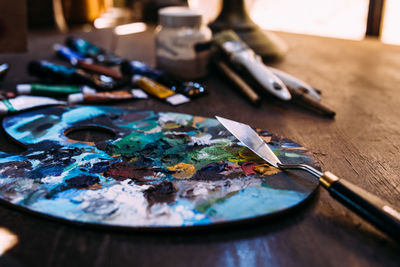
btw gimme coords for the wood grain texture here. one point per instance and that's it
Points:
(359, 80)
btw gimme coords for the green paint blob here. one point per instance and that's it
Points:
(134, 143)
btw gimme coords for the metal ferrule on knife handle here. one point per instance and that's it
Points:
(365, 204)
(327, 179)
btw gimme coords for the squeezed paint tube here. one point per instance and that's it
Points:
(102, 97)
(158, 90)
(52, 90)
(189, 89)
(48, 71)
(76, 59)
(88, 49)
(26, 102)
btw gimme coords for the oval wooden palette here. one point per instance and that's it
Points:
(158, 170)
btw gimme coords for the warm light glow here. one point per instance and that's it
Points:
(333, 18)
(391, 22)
(7, 240)
(113, 17)
(101, 23)
(130, 28)
(209, 8)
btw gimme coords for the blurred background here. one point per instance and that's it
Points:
(333, 18)
(355, 19)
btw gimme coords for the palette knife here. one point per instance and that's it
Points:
(368, 206)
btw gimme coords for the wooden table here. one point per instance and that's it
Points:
(359, 79)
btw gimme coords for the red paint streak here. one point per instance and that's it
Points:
(122, 170)
(248, 168)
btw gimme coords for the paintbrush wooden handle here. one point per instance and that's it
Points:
(303, 99)
(238, 82)
(370, 207)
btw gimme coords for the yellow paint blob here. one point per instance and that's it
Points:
(248, 155)
(171, 125)
(133, 159)
(183, 170)
(265, 169)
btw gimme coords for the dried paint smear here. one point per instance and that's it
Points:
(160, 169)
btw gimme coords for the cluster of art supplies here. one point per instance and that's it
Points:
(94, 75)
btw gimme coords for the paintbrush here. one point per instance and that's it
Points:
(302, 98)
(238, 82)
(244, 68)
(248, 64)
(297, 84)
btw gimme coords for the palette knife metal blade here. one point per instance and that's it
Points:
(370, 207)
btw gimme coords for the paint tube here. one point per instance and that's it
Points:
(102, 97)
(24, 102)
(52, 90)
(72, 56)
(56, 73)
(88, 49)
(76, 59)
(158, 90)
(189, 89)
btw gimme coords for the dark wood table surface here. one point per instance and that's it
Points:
(360, 80)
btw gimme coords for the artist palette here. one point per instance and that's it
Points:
(156, 170)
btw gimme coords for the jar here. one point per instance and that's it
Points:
(182, 43)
